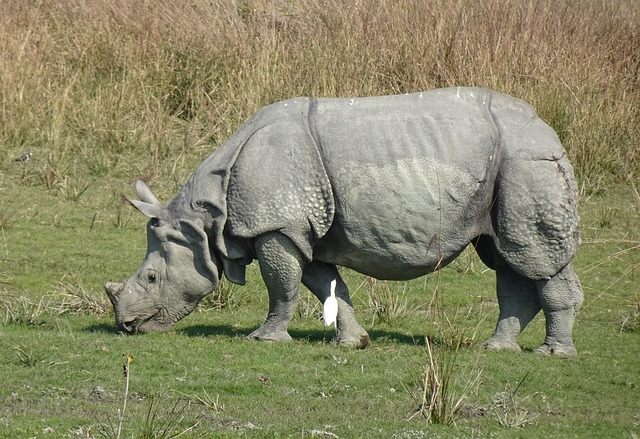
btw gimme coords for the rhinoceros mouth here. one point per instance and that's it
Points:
(156, 322)
(131, 326)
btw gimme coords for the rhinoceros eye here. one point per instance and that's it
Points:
(155, 222)
(152, 278)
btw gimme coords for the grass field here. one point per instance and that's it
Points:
(105, 92)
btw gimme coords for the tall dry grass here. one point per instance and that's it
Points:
(146, 87)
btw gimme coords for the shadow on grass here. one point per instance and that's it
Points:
(211, 331)
(309, 335)
(397, 337)
(299, 334)
(102, 328)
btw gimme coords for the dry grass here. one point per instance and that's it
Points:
(67, 298)
(71, 297)
(226, 295)
(7, 212)
(510, 410)
(387, 300)
(630, 322)
(211, 403)
(20, 310)
(445, 387)
(119, 87)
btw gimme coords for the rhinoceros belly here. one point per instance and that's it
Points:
(400, 220)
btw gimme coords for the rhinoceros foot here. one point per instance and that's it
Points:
(266, 334)
(360, 341)
(556, 349)
(497, 344)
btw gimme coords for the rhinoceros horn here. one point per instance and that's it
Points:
(113, 290)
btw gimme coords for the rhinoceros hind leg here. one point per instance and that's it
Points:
(317, 276)
(561, 297)
(519, 304)
(281, 265)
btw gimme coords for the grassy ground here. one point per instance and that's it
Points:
(62, 360)
(105, 92)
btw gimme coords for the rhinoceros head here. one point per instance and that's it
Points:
(177, 272)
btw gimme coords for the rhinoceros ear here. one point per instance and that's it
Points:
(148, 204)
(144, 193)
(150, 210)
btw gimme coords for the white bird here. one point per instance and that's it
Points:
(24, 157)
(330, 307)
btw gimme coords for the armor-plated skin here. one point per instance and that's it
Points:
(394, 187)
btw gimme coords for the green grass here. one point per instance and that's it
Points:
(107, 92)
(65, 372)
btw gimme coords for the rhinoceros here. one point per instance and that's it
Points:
(393, 187)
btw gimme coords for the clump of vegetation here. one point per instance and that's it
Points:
(509, 409)
(67, 298)
(73, 298)
(387, 300)
(211, 403)
(158, 423)
(631, 321)
(29, 358)
(445, 386)
(226, 295)
(161, 423)
(21, 310)
(7, 212)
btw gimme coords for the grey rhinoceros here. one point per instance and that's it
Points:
(393, 187)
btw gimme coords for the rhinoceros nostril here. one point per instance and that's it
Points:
(130, 326)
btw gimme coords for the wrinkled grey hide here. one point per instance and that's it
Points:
(394, 187)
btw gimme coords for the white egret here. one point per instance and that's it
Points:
(330, 307)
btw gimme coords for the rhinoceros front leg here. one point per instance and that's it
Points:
(561, 297)
(281, 265)
(519, 304)
(317, 276)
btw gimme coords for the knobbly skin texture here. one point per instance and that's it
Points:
(394, 187)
